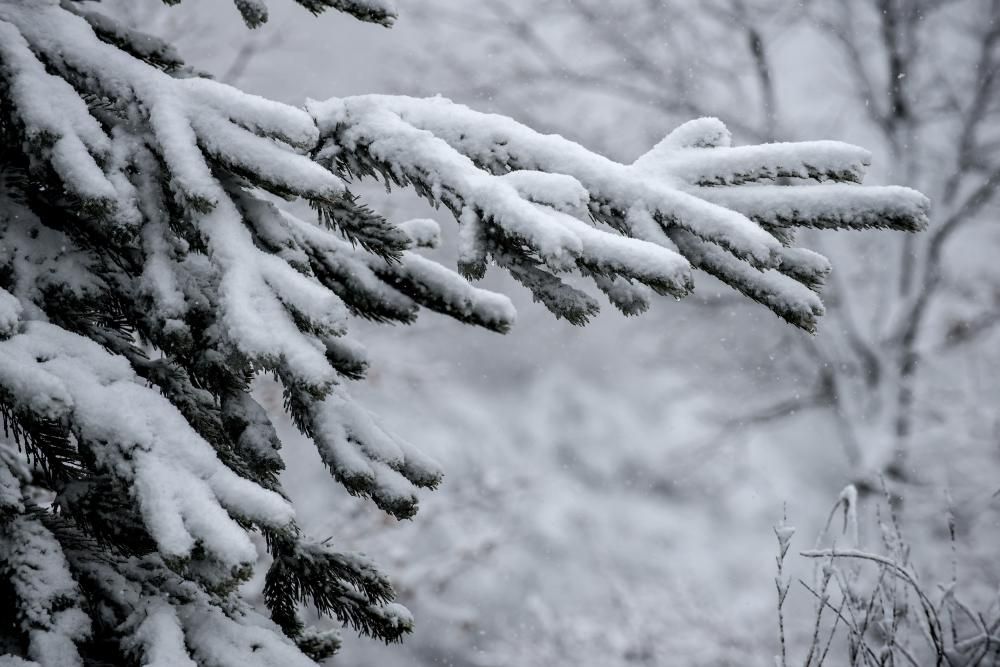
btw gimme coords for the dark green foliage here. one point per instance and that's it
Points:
(359, 10)
(347, 357)
(348, 587)
(561, 299)
(47, 444)
(254, 13)
(363, 226)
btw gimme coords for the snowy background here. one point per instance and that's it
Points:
(610, 490)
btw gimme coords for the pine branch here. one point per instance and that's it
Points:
(359, 224)
(47, 444)
(342, 585)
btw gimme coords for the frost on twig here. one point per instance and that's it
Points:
(879, 604)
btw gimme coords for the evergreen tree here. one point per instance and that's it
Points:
(151, 269)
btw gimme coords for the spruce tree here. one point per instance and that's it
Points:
(152, 267)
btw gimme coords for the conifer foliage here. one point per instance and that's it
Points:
(152, 267)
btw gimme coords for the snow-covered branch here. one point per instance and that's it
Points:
(715, 203)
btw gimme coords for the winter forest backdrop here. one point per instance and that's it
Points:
(610, 490)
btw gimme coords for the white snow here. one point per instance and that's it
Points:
(181, 487)
(47, 597)
(424, 232)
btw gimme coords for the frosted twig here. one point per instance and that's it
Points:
(784, 534)
(934, 623)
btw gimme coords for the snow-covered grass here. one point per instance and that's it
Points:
(878, 604)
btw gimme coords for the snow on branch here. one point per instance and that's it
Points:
(383, 12)
(527, 216)
(179, 483)
(691, 185)
(171, 620)
(188, 117)
(681, 154)
(58, 123)
(47, 594)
